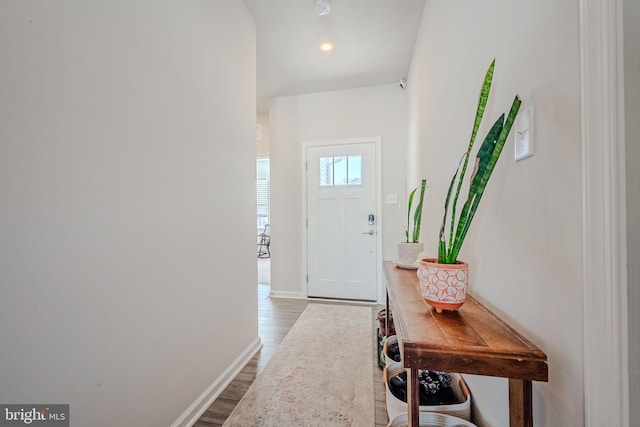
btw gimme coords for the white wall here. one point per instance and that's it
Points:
(263, 144)
(127, 219)
(367, 112)
(524, 246)
(632, 131)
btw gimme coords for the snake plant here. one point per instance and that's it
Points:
(485, 162)
(417, 215)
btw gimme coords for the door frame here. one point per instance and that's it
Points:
(604, 252)
(377, 141)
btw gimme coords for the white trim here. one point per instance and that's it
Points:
(343, 301)
(197, 408)
(378, 146)
(299, 295)
(381, 291)
(287, 294)
(606, 389)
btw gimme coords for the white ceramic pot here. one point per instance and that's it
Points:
(397, 407)
(433, 419)
(408, 254)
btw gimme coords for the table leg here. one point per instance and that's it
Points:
(413, 398)
(386, 322)
(520, 403)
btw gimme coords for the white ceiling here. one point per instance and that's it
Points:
(373, 41)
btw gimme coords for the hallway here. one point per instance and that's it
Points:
(275, 318)
(264, 271)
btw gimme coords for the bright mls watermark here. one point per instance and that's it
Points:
(34, 415)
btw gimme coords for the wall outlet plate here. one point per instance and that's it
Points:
(523, 134)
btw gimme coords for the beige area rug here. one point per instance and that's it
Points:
(321, 374)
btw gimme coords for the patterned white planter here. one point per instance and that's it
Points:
(443, 286)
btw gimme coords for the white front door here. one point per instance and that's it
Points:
(342, 221)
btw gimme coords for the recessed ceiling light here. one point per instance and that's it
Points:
(326, 46)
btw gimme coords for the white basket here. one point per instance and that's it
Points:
(431, 419)
(385, 349)
(397, 407)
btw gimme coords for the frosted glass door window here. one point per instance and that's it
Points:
(326, 171)
(341, 170)
(355, 170)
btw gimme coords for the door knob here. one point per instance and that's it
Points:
(370, 232)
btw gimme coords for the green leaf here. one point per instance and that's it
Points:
(482, 102)
(442, 249)
(502, 139)
(417, 217)
(485, 153)
(406, 232)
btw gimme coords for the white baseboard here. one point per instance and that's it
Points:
(197, 408)
(300, 295)
(343, 301)
(285, 294)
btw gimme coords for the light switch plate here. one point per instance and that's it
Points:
(523, 134)
(392, 198)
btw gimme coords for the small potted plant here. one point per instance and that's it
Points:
(444, 281)
(410, 249)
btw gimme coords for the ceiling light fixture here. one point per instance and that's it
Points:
(322, 7)
(326, 46)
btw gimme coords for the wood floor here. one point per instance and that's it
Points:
(275, 318)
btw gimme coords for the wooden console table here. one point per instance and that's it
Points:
(471, 341)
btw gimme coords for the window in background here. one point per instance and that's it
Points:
(262, 192)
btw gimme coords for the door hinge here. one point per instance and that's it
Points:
(307, 278)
